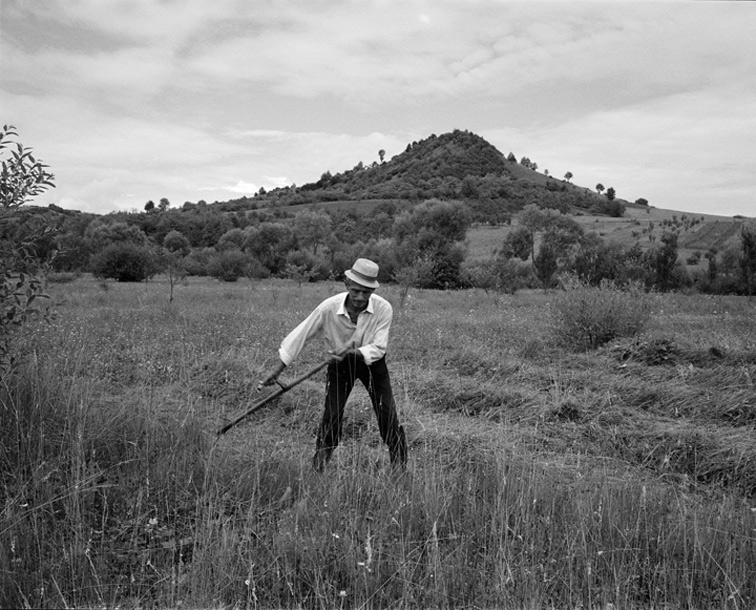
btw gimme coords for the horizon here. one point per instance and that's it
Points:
(135, 102)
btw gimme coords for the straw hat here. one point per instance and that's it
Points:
(364, 272)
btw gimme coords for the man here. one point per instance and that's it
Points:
(355, 325)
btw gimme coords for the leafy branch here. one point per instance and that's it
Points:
(22, 269)
(22, 176)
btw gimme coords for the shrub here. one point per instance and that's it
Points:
(124, 262)
(176, 242)
(586, 317)
(197, 260)
(256, 270)
(694, 258)
(306, 266)
(229, 266)
(499, 274)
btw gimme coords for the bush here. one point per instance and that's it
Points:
(176, 242)
(694, 258)
(124, 262)
(229, 266)
(197, 260)
(499, 274)
(303, 264)
(586, 317)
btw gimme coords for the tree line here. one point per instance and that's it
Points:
(421, 245)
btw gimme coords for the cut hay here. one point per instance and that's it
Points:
(706, 455)
(467, 397)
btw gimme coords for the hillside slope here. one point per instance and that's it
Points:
(455, 165)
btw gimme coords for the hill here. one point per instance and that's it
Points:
(455, 165)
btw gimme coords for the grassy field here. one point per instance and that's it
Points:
(639, 224)
(540, 476)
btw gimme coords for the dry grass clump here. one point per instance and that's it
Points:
(707, 456)
(701, 455)
(655, 350)
(738, 407)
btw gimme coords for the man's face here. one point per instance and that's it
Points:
(359, 295)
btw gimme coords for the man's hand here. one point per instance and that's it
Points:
(334, 357)
(272, 376)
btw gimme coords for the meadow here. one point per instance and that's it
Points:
(541, 475)
(643, 225)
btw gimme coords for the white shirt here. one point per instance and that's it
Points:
(331, 320)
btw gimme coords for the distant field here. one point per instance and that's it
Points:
(711, 232)
(539, 477)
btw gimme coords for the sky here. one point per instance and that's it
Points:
(135, 100)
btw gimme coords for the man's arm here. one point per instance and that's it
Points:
(272, 376)
(297, 338)
(292, 345)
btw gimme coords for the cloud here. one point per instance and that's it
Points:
(243, 188)
(176, 97)
(135, 22)
(691, 143)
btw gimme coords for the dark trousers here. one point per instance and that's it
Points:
(341, 379)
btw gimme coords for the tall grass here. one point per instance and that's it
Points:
(116, 492)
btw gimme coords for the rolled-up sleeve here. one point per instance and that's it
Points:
(292, 345)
